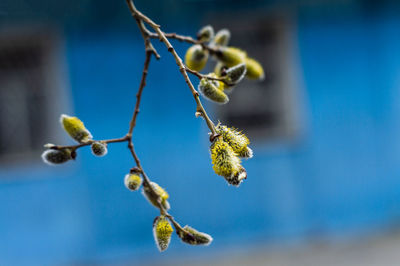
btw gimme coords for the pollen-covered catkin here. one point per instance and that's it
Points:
(211, 90)
(196, 57)
(191, 236)
(75, 128)
(254, 69)
(160, 193)
(206, 33)
(53, 156)
(238, 177)
(133, 181)
(162, 231)
(236, 139)
(99, 148)
(225, 161)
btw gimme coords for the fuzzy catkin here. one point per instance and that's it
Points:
(162, 231)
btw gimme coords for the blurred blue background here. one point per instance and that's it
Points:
(334, 174)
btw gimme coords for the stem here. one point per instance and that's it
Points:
(200, 76)
(188, 39)
(150, 50)
(161, 35)
(132, 123)
(90, 142)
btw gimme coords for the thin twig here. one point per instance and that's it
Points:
(90, 142)
(161, 35)
(200, 76)
(146, 34)
(187, 39)
(132, 123)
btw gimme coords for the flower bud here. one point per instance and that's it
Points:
(225, 161)
(196, 57)
(160, 193)
(254, 69)
(133, 181)
(222, 38)
(191, 236)
(206, 33)
(231, 56)
(162, 231)
(236, 139)
(210, 89)
(99, 148)
(75, 128)
(235, 74)
(53, 156)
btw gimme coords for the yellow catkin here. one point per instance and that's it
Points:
(254, 69)
(162, 231)
(196, 57)
(231, 56)
(210, 89)
(160, 193)
(236, 139)
(75, 128)
(133, 181)
(225, 161)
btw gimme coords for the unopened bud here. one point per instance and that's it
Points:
(254, 69)
(222, 38)
(231, 56)
(196, 57)
(53, 156)
(210, 90)
(235, 74)
(206, 33)
(99, 148)
(191, 236)
(75, 128)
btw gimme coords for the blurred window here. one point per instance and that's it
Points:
(28, 92)
(269, 108)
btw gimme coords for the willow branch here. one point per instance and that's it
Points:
(161, 35)
(132, 123)
(90, 142)
(146, 34)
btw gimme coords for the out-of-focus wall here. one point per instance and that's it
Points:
(339, 177)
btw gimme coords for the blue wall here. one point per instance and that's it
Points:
(341, 178)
